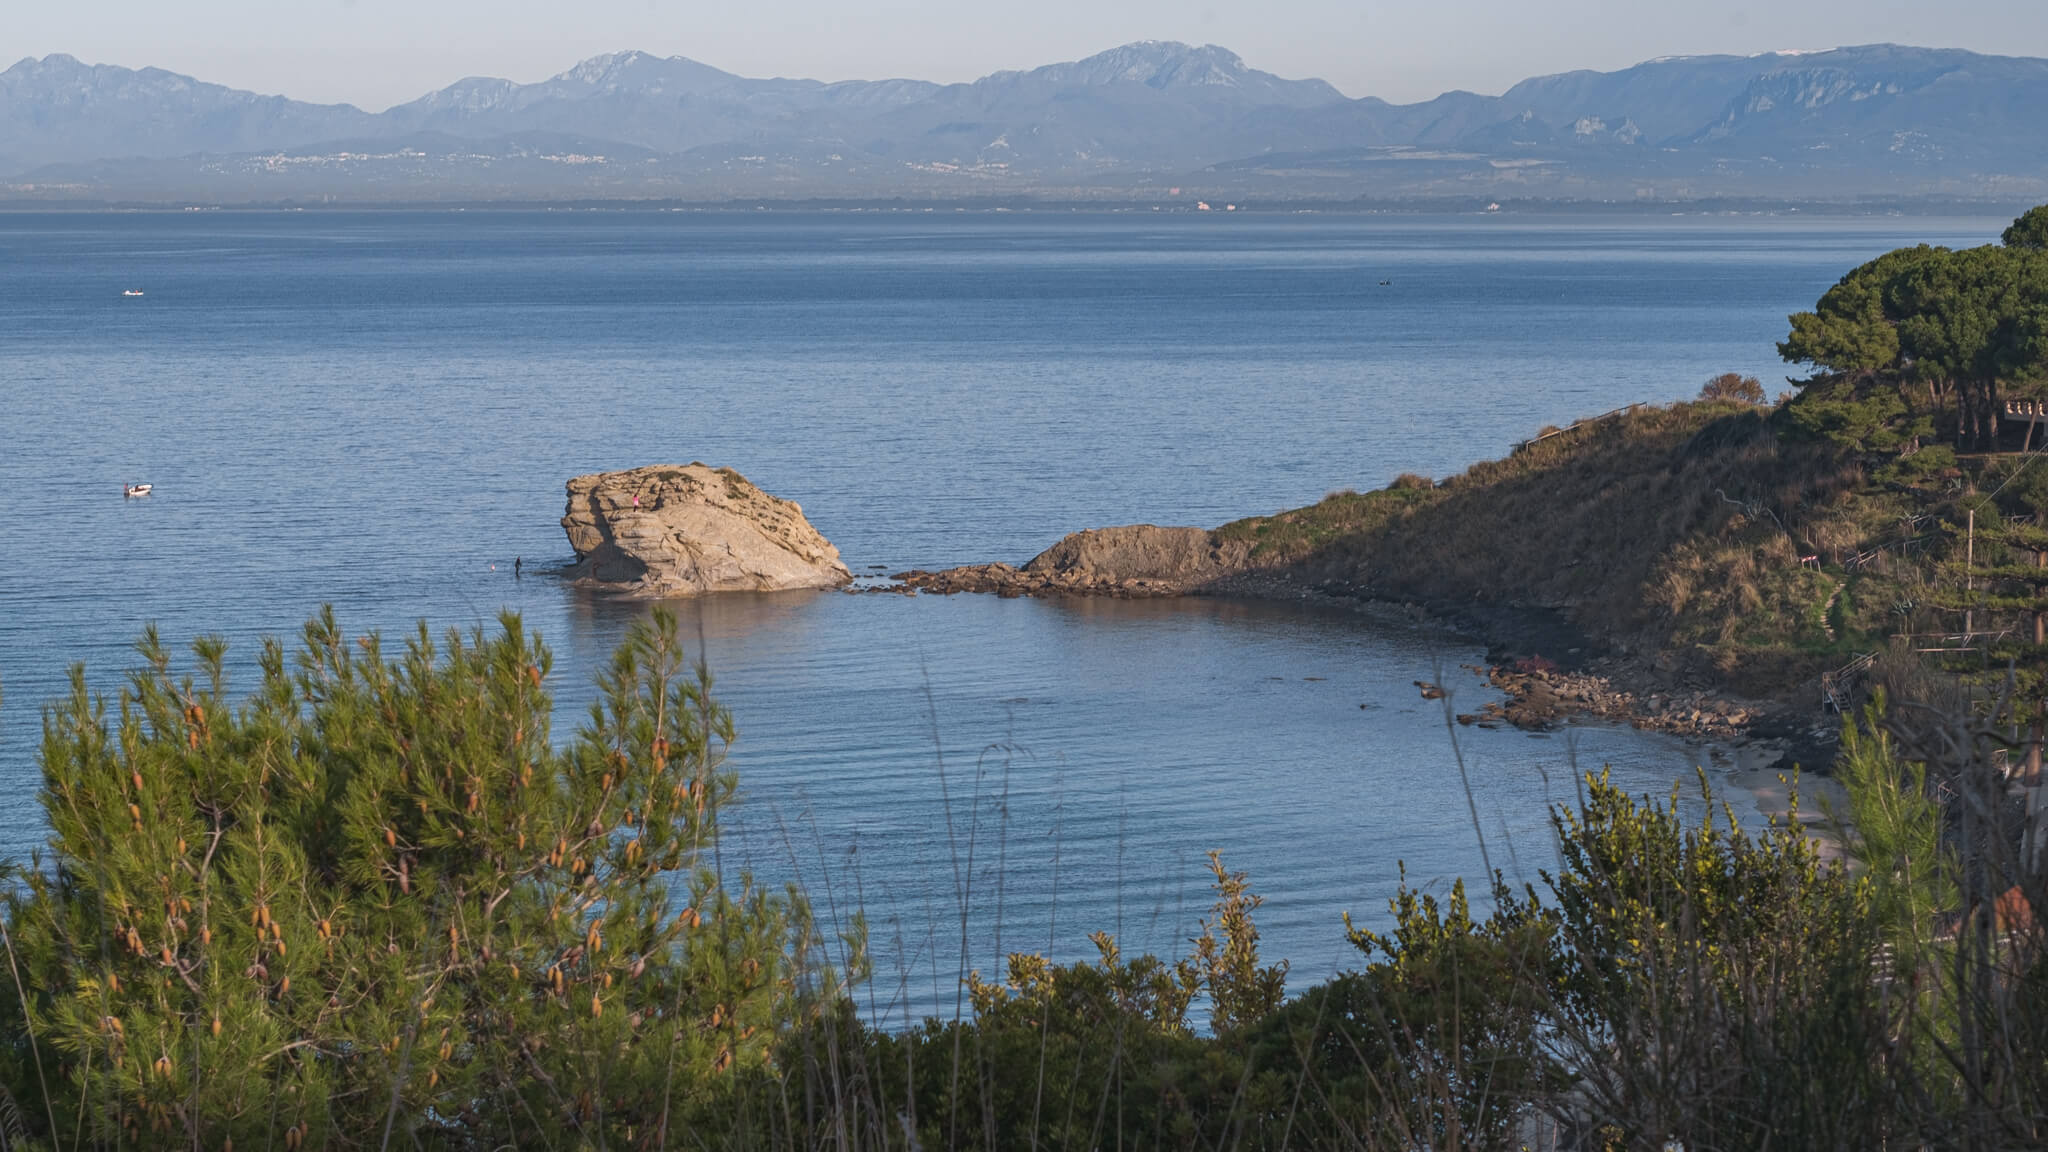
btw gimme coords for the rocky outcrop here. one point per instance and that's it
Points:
(675, 530)
(1539, 696)
(1133, 560)
(1143, 560)
(1184, 556)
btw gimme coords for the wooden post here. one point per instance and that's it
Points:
(2030, 842)
(1969, 576)
(2037, 828)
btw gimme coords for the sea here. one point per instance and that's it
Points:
(378, 410)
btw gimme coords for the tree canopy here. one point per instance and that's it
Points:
(1924, 336)
(2029, 231)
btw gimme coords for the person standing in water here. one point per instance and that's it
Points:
(516, 562)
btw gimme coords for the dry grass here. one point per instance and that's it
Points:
(1677, 531)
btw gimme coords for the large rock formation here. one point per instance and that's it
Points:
(1132, 560)
(1187, 557)
(674, 530)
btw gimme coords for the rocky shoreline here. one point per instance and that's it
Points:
(1541, 697)
(1549, 673)
(999, 579)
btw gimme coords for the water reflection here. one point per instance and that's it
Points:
(1047, 768)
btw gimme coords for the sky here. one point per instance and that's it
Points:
(375, 53)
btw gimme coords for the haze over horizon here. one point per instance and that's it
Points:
(378, 53)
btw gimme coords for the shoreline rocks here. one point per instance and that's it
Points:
(685, 530)
(1133, 560)
(1541, 696)
(1549, 671)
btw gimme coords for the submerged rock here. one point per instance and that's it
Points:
(676, 530)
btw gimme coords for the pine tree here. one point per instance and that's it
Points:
(1920, 333)
(376, 901)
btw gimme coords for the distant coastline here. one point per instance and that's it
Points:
(1707, 208)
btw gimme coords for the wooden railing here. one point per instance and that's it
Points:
(1952, 641)
(1906, 542)
(1837, 686)
(1865, 558)
(1577, 424)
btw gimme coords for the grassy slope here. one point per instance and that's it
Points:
(1672, 534)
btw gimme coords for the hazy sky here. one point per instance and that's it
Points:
(375, 53)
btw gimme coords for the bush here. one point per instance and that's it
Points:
(1715, 988)
(1671, 983)
(1099, 1054)
(1931, 463)
(377, 898)
(1730, 386)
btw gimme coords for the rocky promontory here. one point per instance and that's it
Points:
(683, 530)
(1130, 560)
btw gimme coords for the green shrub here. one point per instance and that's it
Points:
(1715, 988)
(1734, 388)
(377, 898)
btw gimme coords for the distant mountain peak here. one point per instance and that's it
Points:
(1155, 64)
(55, 61)
(1169, 55)
(636, 69)
(63, 77)
(603, 68)
(59, 67)
(1172, 66)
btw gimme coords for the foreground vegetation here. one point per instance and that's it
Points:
(377, 905)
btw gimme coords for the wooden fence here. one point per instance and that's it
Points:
(1838, 688)
(1576, 425)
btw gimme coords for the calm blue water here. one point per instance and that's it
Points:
(373, 410)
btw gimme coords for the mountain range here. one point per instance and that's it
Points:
(1134, 122)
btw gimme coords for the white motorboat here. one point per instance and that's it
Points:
(137, 489)
(131, 292)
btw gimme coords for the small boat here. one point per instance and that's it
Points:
(131, 292)
(137, 489)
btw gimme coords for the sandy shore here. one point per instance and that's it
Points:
(1821, 798)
